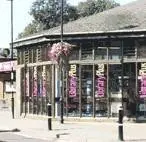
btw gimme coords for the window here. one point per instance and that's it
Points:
(72, 104)
(100, 90)
(87, 90)
(129, 49)
(86, 51)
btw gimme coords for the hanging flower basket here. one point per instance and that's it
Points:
(60, 51)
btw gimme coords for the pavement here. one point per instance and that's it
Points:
(71, 131)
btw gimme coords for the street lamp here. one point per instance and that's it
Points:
(12, 72)
(61, 69)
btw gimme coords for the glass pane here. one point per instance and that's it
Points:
(73, 94)
(31, 90)
(86, 51)
(39, 88)
(100, 90)
(115, 88)
(141, 106)
(141, 48)
(114, 53)
(74, 54)
(100, 52)
(129, 49)
(87, 90)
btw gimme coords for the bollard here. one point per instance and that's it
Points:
(61, 115)
(49, 117)
(121, 124)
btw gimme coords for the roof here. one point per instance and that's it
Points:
(128, 17)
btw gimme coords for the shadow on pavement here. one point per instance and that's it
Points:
(135, 140)
(58, 135)
(13, 130)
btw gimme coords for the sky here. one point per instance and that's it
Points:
(21, 17)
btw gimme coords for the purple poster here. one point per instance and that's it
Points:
(44, 81)
(100, 81)
(72, 81)
(35, 85)
(142, 86)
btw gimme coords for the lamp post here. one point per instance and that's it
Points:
(12, 73)
(61, 69)
(121, 111)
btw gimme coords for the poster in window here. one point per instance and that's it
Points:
(100, 81)
(73, 81)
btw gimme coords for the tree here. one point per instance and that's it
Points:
(48, 13)
(31, 28)
(95, 6)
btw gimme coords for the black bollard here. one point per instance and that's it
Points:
(121, 124)
(61, 115)
(49, 117)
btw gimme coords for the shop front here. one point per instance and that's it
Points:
(102, 76)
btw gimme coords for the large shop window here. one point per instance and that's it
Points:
(72, 104)
(115, 88)
(87, 90)
(141, 105)
(36, 89)
(100, 90)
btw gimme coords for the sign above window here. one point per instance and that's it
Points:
(7, 66)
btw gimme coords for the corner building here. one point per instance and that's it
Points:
(107, 68)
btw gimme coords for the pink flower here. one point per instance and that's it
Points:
(59, 49)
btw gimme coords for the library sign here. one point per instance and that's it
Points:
(73, 81)
(99, 81)
(142, 74)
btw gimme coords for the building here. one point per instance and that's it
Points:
(6, 89)
(107, 66)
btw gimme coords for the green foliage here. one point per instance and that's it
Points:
(95, 6)
(47, 13)
(31, 28)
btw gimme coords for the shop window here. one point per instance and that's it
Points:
(72, 104)
(87, 51)
(87, 90)
(100, 90)
(39, 89)
(115, 80)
